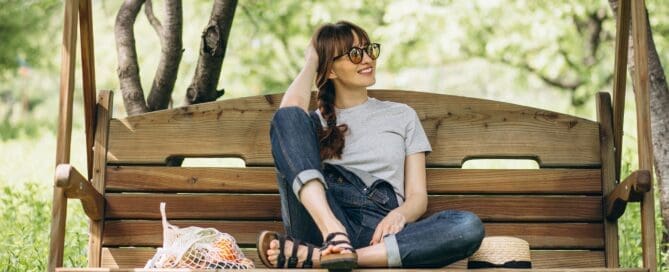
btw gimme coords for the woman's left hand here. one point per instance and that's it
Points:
(391, 224)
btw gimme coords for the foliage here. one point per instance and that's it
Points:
(24, 32)
(25, 216)
(629, 225)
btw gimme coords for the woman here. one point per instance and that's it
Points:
(352, 173)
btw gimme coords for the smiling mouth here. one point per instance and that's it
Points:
(366, 70)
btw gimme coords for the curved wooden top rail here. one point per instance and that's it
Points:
(459, 128)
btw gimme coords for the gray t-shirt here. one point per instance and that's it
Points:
(381, 134)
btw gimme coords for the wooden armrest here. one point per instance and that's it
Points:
(630, 190)
(77, 187)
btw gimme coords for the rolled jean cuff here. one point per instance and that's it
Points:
(392, 251)
(304, 177)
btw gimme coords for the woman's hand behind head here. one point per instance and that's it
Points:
(311, 56)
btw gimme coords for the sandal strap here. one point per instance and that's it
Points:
(333, 234)
(292, 261)
(282, 258)
(328, 240)
(338, 242)
(307, 263)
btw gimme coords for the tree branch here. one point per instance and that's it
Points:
(247, 12)
(594, 32)
(555, 82)
(170, 57)
(212, 52)
(157, 26)
(128, 69)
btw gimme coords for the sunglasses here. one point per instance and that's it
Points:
(355, 54)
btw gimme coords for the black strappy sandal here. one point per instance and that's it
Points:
(264, 240)
(338, 261)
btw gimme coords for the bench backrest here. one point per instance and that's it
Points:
(556, 208)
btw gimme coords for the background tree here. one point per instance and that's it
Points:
(212, 51)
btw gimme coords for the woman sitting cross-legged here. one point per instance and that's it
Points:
(351, 174)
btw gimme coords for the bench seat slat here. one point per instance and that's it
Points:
(539, 235)
(266, 207)
(137, 257)
(457, 127)
(440, 180)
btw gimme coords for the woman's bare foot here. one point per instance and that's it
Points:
(302, 251)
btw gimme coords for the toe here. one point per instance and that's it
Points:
(274, 244)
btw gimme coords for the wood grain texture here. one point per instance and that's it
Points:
(620, 79)
(459, 128)
(266, 207)
(440, 180)
(88, 75)
(609, 177)
(140, 233)
(64, 136)
(77, 187)
(644, 136)
(630, 190)
(103, 114)
(137, 257)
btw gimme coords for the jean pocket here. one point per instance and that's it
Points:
(382, 195)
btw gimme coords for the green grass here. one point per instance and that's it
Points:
(24, 229)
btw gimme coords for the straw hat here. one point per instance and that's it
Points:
(501, 251)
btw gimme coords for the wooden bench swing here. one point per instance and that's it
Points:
(567, 210)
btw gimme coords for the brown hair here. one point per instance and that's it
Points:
(331, 40)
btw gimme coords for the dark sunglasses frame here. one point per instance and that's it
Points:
(362, 50)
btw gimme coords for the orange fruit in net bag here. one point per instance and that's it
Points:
(226, 250)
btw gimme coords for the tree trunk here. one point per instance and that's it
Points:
(172, 49)
(128, 69)
(212, 51)
(659, 116)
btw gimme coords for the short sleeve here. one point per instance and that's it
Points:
(416, 139)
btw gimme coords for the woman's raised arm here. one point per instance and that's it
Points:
(299, 91)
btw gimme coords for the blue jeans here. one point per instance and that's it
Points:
(436, 241)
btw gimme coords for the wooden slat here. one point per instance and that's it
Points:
(191, 179)
(104, 109)
(137, 257)
(551, 236)
(266, 207)
(458, 128)
(538, 235)
(605, 118)
(440, 180)
(150, 232)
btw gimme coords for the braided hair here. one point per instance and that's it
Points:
(329, 41)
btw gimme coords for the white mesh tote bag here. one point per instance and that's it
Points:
(199, 248)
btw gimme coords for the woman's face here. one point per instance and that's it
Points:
(351, 75)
